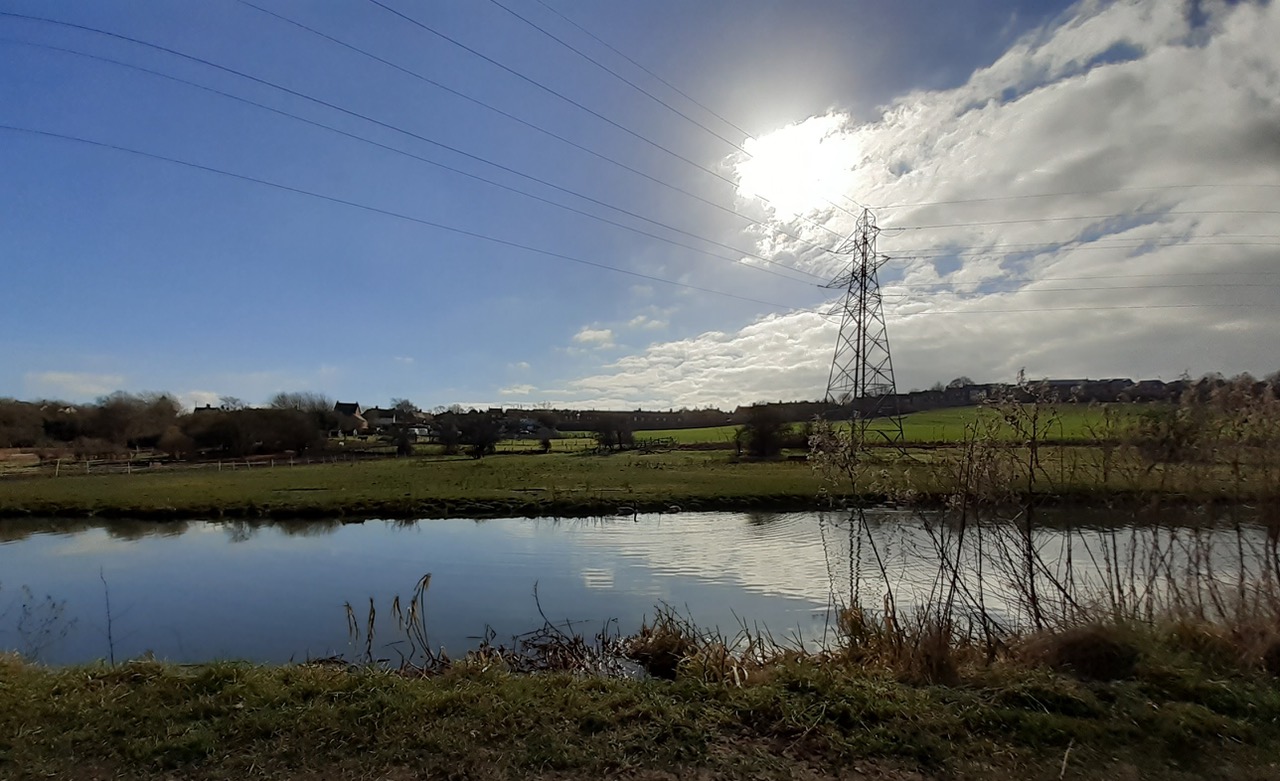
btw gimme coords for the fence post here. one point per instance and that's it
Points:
(57, 465)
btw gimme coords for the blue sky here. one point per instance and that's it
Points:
(133, 273)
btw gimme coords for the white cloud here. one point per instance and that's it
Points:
(646, 323)
(1112, 106)
(523, 389)
(597, 338)
(70, 385)
(404, 359)
(520, 366)
(199, 398)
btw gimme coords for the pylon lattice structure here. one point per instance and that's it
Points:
(862, 369)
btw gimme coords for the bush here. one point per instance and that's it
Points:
(481, 434)
(1093, 652)
(764, 432)
(614, 433)
(242, 432)
(177, 444)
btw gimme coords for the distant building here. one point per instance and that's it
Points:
(351, 418)
(381, 418)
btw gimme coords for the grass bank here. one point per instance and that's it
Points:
(554, 483)
(572, 485)
(1172, 719)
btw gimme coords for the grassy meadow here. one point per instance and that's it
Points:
(1077, 457)
(582, 483)
(1077, 423)
(1177, 716)
(430, 486)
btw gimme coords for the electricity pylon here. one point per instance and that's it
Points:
(862, 369)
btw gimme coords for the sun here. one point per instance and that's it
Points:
(799, 168)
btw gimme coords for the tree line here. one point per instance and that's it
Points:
(121, 422)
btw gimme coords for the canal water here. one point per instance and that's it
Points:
(273, 592)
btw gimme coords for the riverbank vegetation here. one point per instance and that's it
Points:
(1180, 709)
(1181, 454)
(1216, 444)
(1148, 649)
(588, 484)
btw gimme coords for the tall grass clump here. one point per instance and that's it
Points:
(1010, 580)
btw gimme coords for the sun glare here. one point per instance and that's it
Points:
(799, 168)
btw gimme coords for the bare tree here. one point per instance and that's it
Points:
(21, 424)
(614, 432)
(315, 407)
(302, 401)
(405, 410)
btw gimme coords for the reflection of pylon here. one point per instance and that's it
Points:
(862, 369)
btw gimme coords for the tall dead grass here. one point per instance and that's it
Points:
(1010, 584)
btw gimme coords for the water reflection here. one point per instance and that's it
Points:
(274, 590)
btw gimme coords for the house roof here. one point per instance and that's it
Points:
(347, 408)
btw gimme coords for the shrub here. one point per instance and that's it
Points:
(1092, 652)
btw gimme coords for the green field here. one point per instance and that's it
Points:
(569, 484)
(427, 486)
(1064, 423)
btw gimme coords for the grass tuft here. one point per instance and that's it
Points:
(1091, 652)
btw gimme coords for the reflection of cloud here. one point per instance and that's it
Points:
(92, 542)
(601, 579)
(781, 557)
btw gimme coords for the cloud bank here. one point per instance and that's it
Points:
(1100, 201)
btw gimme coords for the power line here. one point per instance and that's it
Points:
(458, 171)
(397, 129)
(748, 135)
(1075, 245)
(1077, 192)
(1080, 309)
(653, 97)
(1194, 212)
(571, 101)
(386, 212)
(524, 122)
(1014, 280)
(617, 75)
(618, 52)
(1108, 289)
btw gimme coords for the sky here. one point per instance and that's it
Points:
(441, 201)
